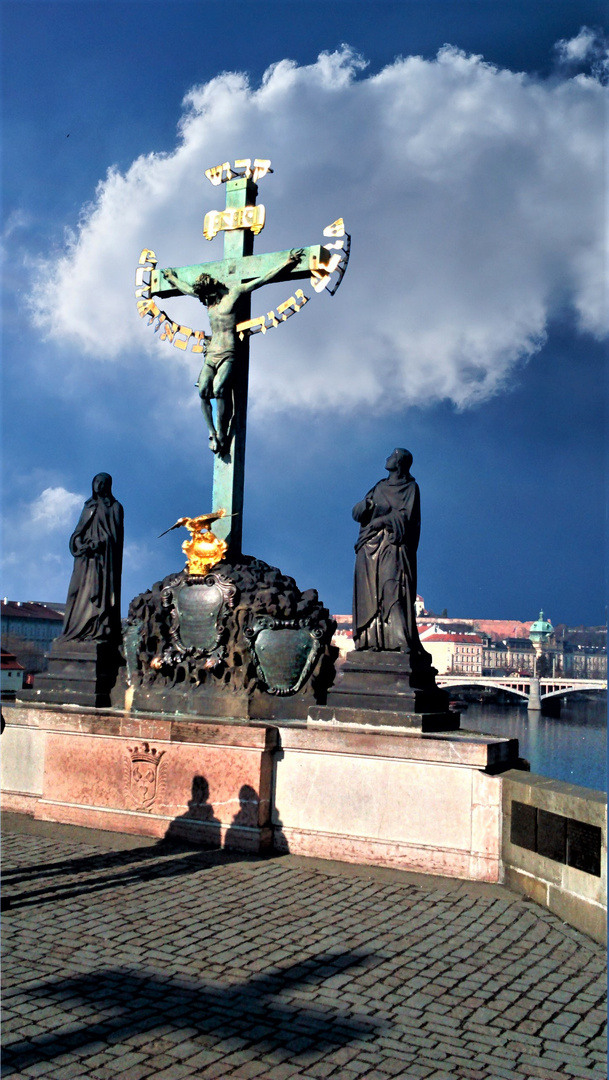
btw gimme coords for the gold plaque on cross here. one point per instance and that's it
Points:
(239, 217)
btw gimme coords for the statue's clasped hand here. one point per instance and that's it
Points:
(93, 547)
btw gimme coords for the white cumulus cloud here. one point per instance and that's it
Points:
(473, 195)
(587, 47)
(55, 508)
(36, 560)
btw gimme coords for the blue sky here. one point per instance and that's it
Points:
(465, 157)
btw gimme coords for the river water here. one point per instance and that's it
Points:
(572, 747)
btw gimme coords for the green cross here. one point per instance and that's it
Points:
(238, 266)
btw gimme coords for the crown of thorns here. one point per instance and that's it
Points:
(206, 284)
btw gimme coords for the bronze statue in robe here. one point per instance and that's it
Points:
(93, 606)
(385, 584)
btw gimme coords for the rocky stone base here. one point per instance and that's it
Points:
(242, 641)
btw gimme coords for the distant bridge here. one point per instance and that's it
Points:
(535, 691)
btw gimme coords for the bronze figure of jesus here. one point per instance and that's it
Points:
(216, 378)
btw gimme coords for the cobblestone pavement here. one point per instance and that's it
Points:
(132, 959)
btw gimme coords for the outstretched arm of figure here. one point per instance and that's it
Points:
(183, 286)
(293, 258)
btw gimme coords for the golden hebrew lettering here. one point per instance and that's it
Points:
(148, 256)
(217, 173)
(262, 324)
(144, 291)
(170, 329)
(262, 166)
(344, 262)
(211, 224)
(245, 163)
(139, 275)
(198, 345)
(258, 218)
(241, 217)
(319, 281)
(289, 307)
(182, 337)
(253, 325)
(146, 307)
(321, 271)
(337, 228)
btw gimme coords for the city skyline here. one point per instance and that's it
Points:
(463, 150)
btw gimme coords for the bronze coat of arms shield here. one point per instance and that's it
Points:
(198, 607)
(284, 652)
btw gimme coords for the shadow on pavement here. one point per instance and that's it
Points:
(140, 865)
(141, 1003)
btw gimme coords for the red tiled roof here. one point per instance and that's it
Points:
(29, 610)
(9, 662)
(467, 639)
(503, 628)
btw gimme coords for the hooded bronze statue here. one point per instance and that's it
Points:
(385, 585)
(93, 606)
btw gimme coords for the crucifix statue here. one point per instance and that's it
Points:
(225, 288)
(216, 378)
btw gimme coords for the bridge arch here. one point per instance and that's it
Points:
(517, 687)
(596, 685)
(521, 687)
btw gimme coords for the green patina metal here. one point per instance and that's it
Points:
(239, 266)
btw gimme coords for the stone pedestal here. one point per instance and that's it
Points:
(208, 783)
(379, 689)
(417, 723)
(80, 673)
(429, 803)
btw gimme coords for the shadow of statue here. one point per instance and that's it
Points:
(192, 843)
(198, 824)
(281, 845)
(253, 815)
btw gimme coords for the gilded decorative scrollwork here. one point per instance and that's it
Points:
(325, 275)
(326, 264)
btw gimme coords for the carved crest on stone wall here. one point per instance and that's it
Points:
(144, 775)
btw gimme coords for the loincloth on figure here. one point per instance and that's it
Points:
(214, 361)
(211, 369)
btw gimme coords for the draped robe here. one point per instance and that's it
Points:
(385, 583)
(93, 606)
